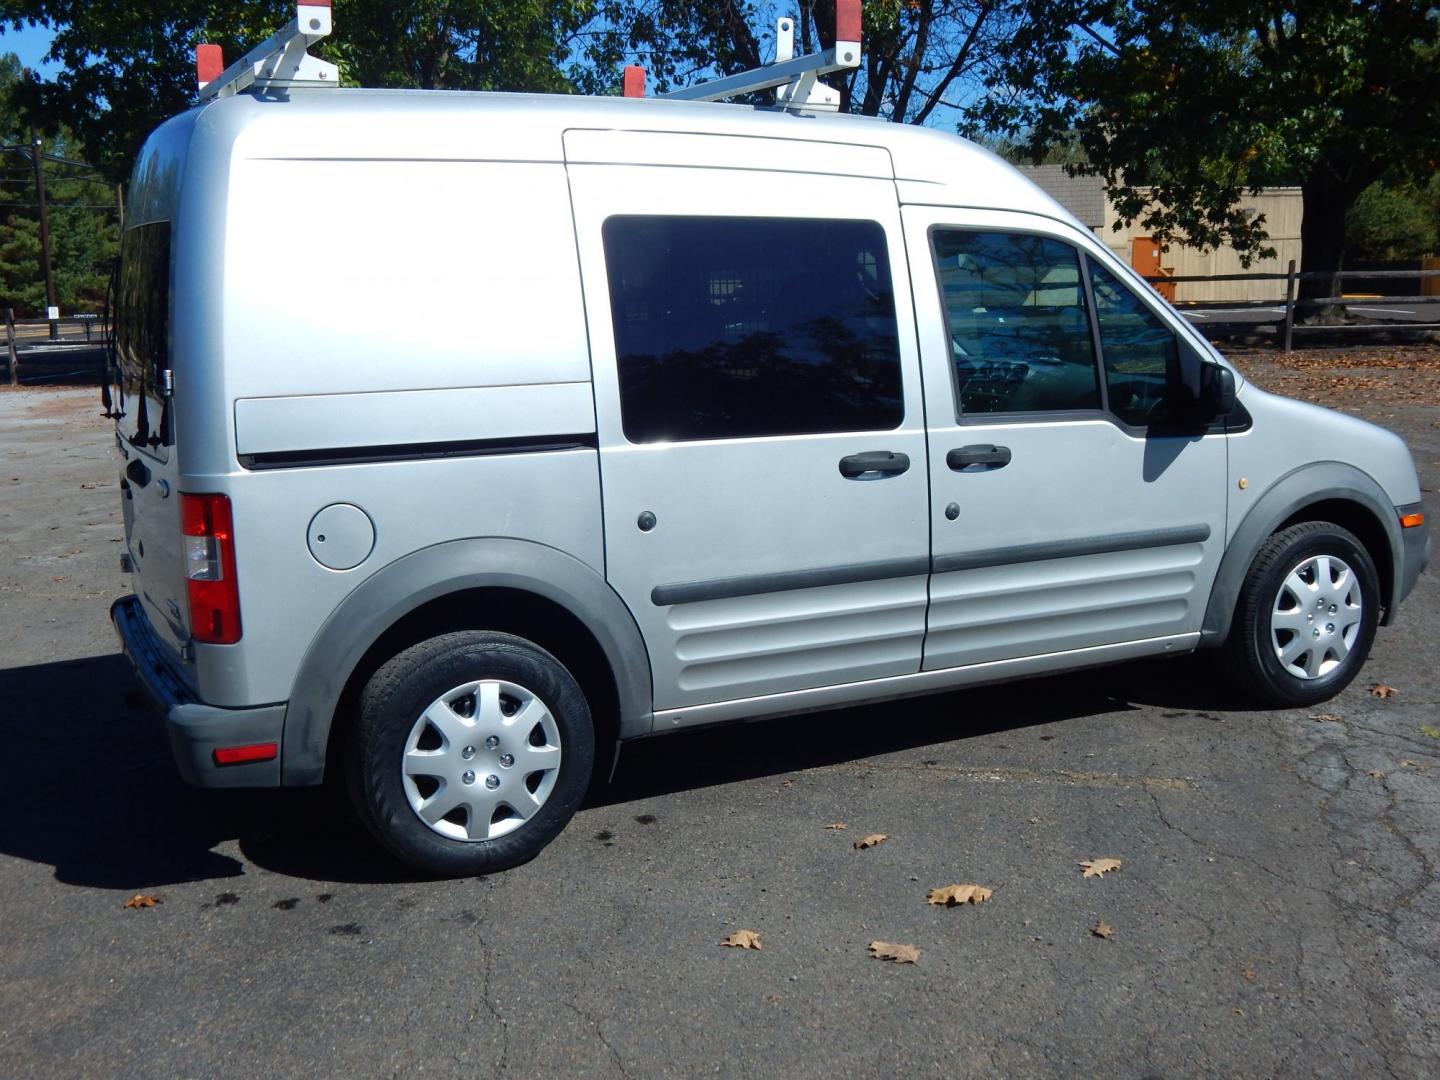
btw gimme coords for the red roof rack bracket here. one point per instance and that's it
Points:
(209, 63)
(847, 20)
(634, 81)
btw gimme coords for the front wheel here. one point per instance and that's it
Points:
(1306, 616)
(471, 752)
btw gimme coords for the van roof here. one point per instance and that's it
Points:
(931, 166)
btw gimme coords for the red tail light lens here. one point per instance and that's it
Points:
(209, 538)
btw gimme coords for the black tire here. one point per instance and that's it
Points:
(1249, 656)
(392, 702)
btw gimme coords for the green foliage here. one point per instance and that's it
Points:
(1391, 223)
(1183, 106)
(82, 238)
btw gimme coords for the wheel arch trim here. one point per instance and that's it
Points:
(1308, 485)
(429, 574)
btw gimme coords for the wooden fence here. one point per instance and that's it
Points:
(82, 331)
(1286, 326)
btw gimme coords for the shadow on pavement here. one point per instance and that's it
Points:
(87, 784)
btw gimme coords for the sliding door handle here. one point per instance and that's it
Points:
(988, 457)
(873, 465)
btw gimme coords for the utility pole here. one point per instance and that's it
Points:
(35, 158)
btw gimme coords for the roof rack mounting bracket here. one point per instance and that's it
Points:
(282, 61)
(795, 79)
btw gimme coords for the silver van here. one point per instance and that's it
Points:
(465, 437)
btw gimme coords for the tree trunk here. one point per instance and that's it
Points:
(1326, 201)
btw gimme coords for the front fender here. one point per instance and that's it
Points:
(428, 574)
(1305, 486)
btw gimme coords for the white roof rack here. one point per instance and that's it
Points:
(794, 78)
(280, 63)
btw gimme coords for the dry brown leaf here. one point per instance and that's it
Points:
(1103, 929)
(1375, 774)
(1099, 867)
(1406, 763)
(1326, 718)
(901, 954)
(1248, 975)
(743, 939)
(1383, 690)
(837, 825)
(140, 900)
(869, 841)
(955, 895)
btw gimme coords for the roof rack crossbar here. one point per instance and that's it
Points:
(281, 61)
(795, 79)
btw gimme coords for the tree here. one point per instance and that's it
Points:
(128, 67)
(83, 233)
(1391, 223)
(1185, 105)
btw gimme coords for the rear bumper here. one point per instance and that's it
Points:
(195, 729)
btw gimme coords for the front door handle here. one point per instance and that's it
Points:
(990, 457)
(873, 465)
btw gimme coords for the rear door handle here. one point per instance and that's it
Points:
(991, 457)
(873, 465)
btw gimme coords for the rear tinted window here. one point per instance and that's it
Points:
(1019, 331)
(751, 327)
(142, 333)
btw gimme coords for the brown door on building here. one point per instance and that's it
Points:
(1145, 258)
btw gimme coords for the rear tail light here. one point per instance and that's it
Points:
(209, 537)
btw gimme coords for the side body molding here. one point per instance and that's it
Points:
(432, 572)
(1321, 481)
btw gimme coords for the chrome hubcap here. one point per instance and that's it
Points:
(1316, 616)
(481, 760)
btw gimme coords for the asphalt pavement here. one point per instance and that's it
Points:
(1273, 915)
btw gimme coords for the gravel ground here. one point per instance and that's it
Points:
(1274, 915)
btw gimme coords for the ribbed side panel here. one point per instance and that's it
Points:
(808, 637)
(1032, 608)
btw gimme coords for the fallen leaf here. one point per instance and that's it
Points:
(141, 899)
(1406, 763)
(1098, 867)
(837, 825)
(955, 895)
(59, 579)
(743, 939)
(1326, 718)
(901, 954)
(869, 841)
(1432, 732)
(1236, 1010)
(1382, 690)
(773, 999)
(1248, 975)
(1375, 774)
(1103, 929)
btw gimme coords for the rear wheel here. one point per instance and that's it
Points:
(472, 751)
(1306, 616)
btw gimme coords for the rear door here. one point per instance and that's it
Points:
(145, 428)
(1069, 511)
(762, 436)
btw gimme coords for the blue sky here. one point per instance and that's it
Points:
(30, 44)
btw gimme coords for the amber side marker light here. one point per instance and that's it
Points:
(1410, 521)
(244, 755)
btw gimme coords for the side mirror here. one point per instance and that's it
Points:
(1217, 391)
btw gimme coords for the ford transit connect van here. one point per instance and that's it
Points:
(464, 437)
